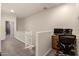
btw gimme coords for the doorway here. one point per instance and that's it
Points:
(7, 28)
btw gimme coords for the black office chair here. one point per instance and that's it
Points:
(67, 44)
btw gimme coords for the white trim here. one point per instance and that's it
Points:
(44, 31)
(47, 52)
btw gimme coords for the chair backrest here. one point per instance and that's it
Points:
(67, 39)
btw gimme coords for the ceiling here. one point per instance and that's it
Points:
(26, 9)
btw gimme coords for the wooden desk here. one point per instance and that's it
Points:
(54, 41)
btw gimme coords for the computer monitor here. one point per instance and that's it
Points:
(58, 31)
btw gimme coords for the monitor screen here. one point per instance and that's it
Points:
(68, 31)
(58, 31)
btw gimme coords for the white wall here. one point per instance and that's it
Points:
(43, 43)
(20, 36)
(21, 33)
(0, 27)
(63, 16)
(20, 24)
(77, 5)
(51, 18)
(7, 17)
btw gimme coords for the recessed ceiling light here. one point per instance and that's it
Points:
(12, 11)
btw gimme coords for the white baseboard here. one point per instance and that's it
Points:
(47, 52)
